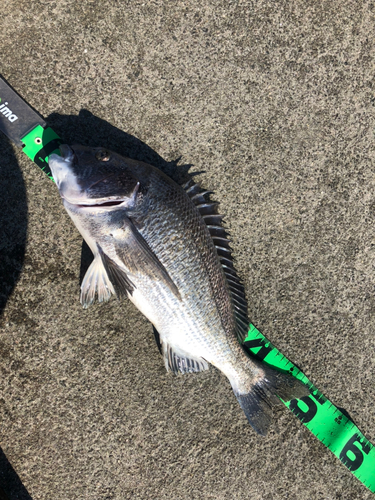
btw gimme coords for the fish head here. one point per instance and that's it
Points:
(94, 180)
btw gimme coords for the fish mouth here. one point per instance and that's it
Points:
(107, 205)
(76, 196)
(67, 153)
(60, 164)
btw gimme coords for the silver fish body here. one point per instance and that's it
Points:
(163, 247)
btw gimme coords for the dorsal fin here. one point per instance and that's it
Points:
(208, 210)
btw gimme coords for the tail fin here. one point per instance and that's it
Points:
(258, 402)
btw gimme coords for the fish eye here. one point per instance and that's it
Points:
(102, 155)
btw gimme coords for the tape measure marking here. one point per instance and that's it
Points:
(337, 431)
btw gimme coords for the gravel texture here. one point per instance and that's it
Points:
(273, 103)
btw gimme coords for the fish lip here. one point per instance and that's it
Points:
(67, 153)
(108, 204)
(104, 205)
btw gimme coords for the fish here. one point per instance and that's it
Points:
(162, 245)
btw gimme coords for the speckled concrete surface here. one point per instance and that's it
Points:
(274, 103)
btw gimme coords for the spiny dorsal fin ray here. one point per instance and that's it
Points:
(201, 195)
(208, 211)
(221, 241)
(244, 324)
(212, 218)
(238, 293)
(229, 271)
(207, 208)
(238, 300)
(228, 263)
(236, 287)
(223, 251)
(218, 231)
(188, 184)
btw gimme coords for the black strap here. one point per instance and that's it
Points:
(43, 153)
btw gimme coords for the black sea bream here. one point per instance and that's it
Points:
(162, 245)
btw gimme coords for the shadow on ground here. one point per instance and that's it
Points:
(13, 232)
(90, 130)
(13, 221)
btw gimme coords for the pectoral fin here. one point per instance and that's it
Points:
(138, 258)
(118, 277)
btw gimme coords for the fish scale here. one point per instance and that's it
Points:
(193, 253)
(209, 304)
(162, 246)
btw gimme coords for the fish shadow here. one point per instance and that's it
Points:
(13, 232)
(89, 130)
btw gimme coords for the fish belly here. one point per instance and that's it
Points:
(179, 324)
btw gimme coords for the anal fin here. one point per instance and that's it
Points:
(179, 362)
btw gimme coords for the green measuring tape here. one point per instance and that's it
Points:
(27, 129)
(320, 416)
(39, 144)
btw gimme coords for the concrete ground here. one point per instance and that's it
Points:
(274, 103)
